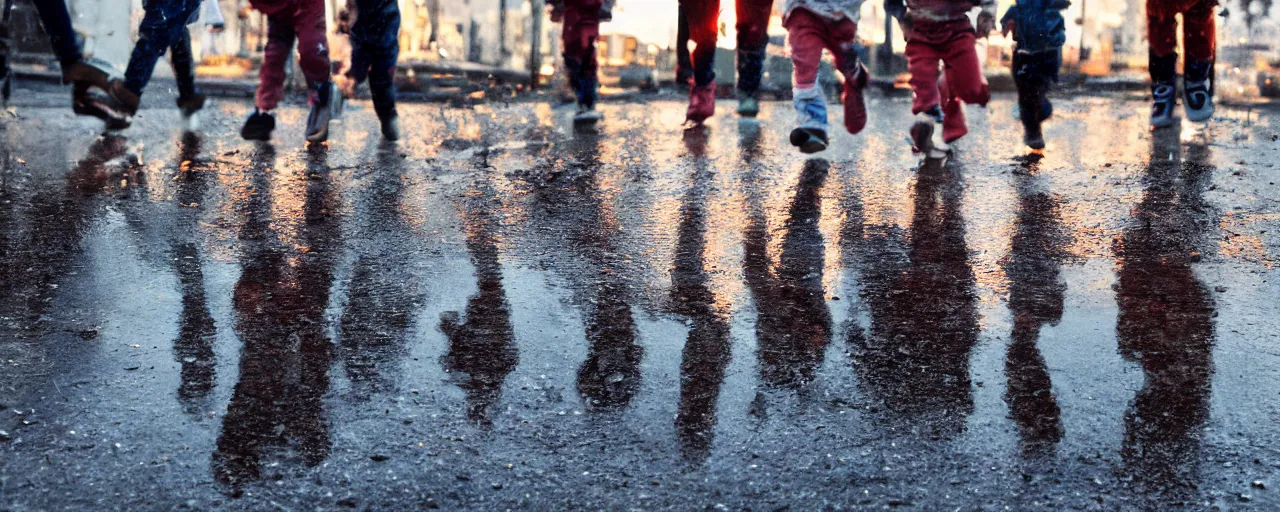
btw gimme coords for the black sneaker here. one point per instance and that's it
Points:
(259, 126)
(190, 107)
(809, 140)
(321, 113)
(390, 127)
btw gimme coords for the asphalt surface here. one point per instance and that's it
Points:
(500, 312)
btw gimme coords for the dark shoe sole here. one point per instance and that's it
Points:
(809, 140)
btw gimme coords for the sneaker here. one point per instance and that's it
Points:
(702, 102)
(809, 140)
(926, 134)
(810, 134)
(748, 106)
(190, 108)
(587, 115)
(1197, 91)
(390, 127)
(1162, 106)
(855, 106)
(259, 126)
(321, 113)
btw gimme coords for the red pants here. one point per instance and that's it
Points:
(808, 34)
(952, 45)
(753, 22)
(287, 20)
(1198, 29)
(581, 29)
(703, 17)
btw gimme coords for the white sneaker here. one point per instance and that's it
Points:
(587, 115)
(926, 134)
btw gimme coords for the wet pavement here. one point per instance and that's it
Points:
(502, 313)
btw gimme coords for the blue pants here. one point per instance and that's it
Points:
(57, 23)
(374, 59)
(1035, 74)
(164, 27)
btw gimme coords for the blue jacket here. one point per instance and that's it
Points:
(1038, 24)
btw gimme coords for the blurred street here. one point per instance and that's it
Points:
(502, 312)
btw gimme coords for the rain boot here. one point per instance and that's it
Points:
(810, 134)
(1197, 90)
(750, 73)
(1163, 92)
(390, 124)
(855, 105)
(702, 103)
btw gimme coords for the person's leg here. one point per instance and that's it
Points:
(964, 83)
(1162, 59)
(704, 18)
(57, 23)
(1199, 32)
(1198, 35)
(581, 29)
(684, 64)
(275, 56)
(313, 46)
(753, 39)
(922, 61)
(806, 35)
(382, 74)
(840, 40)
(156, 33)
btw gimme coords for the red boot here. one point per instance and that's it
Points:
(702, 102)
(855, 107)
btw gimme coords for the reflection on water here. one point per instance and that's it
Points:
(706, 349)
(1166, 316)
(793, 324)
(1034, 268)
(58, 222)
(374, 326)
(196, 331)
(482, 349)
(279, 304)
(923, 309)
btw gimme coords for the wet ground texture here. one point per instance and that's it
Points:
(502, 312)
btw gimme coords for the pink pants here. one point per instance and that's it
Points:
(808, 34)
(305, 21)
(952, 45)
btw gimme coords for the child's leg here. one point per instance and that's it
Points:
(1162, 29)
(964, 82)
(156, 33)
(382, 75)
(313, 45)
(753, 37)
(840, 37)
(1198, 36)
(276, 54)
(184, 70)
(703, 17)
(581, 29)
(922, 62)
(806, 33)
(56, 20)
